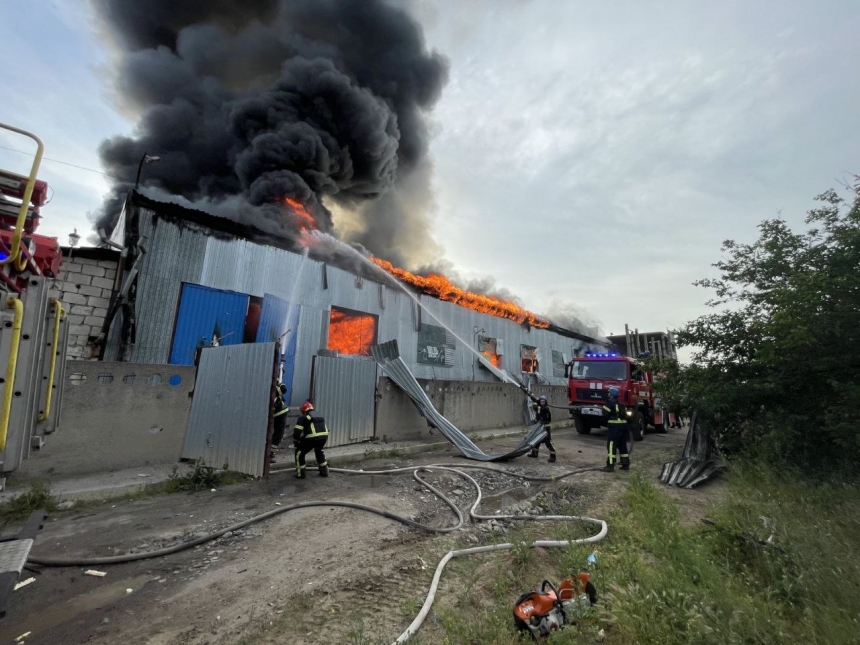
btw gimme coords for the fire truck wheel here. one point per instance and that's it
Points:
(581, 426)
(638, 429)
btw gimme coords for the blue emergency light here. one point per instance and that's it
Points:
(591, 354)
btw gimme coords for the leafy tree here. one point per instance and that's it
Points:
(776, 370)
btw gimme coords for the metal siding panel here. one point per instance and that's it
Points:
(229, 417)
(175, 255)
(344, 394)
(240, 265)
(204, 312)
(308, 342)
(257, 269)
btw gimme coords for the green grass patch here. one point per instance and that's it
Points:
(19, 507)
(776, 564)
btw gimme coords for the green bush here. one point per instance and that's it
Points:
(776, 363)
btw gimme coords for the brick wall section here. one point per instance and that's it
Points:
(84, 286)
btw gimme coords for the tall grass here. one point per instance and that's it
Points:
(776, 564)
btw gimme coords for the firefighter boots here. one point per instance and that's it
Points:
(608, 469)
(324, 470)
(552, 458)
(533, 453)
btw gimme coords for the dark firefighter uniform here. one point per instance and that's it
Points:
(544, 417)
(310, 433)
(616, 446)
(280, 415)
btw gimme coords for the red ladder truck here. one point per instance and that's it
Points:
(33, 327)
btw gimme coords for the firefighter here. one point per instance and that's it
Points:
(280, 417)
(544, 417)
(310, 433)
(616, 446)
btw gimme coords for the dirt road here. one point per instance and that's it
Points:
(307, 576)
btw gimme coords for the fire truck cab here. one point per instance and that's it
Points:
(589, 378)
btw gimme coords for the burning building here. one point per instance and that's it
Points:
(192, 280)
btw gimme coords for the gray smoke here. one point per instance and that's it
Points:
(570, 316)
(321, 101)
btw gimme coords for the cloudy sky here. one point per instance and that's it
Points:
(587, 155)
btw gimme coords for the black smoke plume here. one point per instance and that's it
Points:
(322, 101)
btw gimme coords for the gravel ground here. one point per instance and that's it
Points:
(307, 576)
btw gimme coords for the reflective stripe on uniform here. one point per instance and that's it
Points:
(611, 452)
(281, 412)
(313, 433)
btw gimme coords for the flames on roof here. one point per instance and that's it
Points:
(442, 288)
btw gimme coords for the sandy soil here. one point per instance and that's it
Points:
(307, 576)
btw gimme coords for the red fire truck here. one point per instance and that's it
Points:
(589, 378)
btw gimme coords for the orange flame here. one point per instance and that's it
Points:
(442, 288)
(306, 220)
(351, 333)
(494, 358)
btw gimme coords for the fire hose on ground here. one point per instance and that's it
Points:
(415, 470)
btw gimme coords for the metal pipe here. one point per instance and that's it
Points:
(59, 312)
(25, 202)
(6, 412)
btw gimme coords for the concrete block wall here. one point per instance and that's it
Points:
(85, 286)
(469, 405)
(116, 416)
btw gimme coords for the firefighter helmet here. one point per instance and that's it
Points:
(306, 407)
(614, 391)
(542, 399)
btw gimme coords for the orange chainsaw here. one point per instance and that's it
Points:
(542, 612)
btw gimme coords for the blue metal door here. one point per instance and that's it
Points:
(280, 325)
(205, 315)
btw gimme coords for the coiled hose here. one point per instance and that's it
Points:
(415, 470)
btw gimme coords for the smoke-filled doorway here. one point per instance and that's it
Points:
(351, 332)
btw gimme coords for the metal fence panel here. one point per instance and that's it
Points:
(344, 391)
(230, 411)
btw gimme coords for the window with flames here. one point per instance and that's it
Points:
(529, 357)
(351, 332)
(490, 348)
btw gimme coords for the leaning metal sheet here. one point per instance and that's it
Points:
(700, 460)
(230, 410)
(388, 357)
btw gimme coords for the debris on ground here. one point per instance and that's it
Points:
(699, 462)
(23, 583)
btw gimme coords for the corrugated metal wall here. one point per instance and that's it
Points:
(175, 255)
(188, 254)
(230, 411)
(343, 394)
